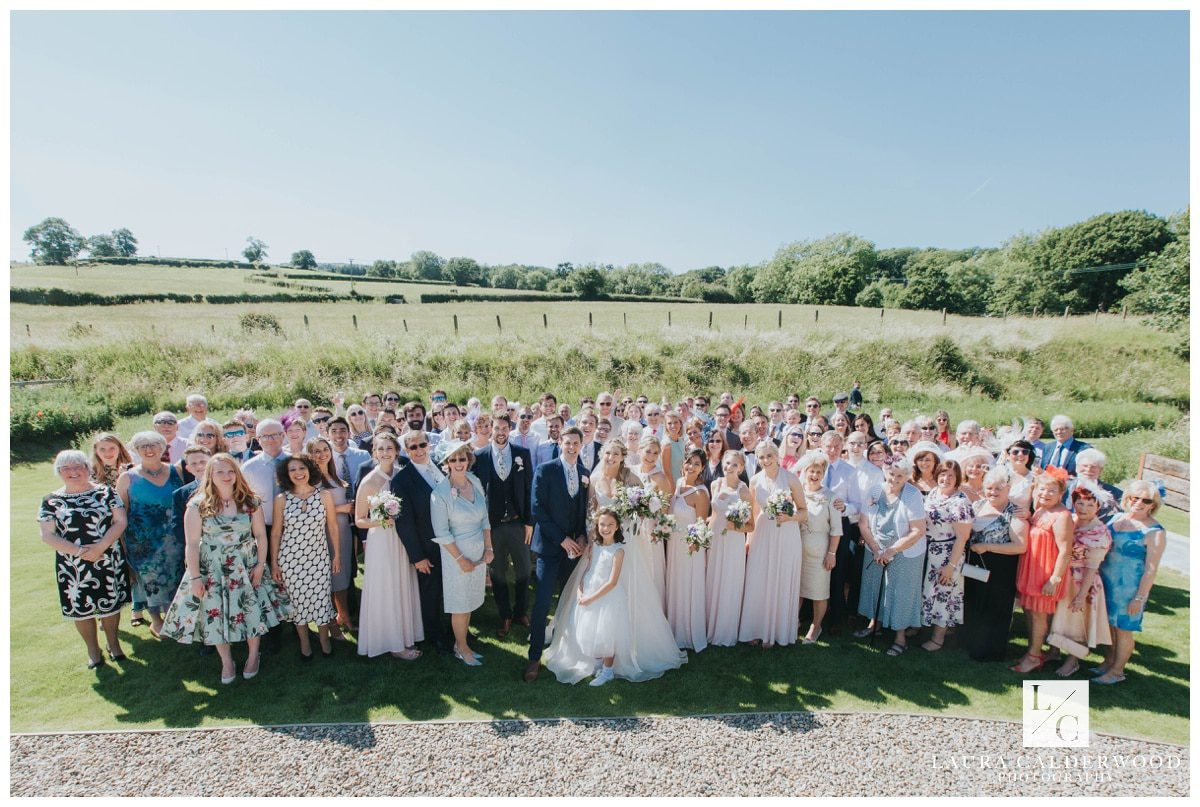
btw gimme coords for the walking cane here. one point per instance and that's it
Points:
(878, 598)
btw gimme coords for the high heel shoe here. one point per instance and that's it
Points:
(257, 666)
(1040, 660)
(231, 678)
(474, 662)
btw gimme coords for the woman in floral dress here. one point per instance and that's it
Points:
(948, 519)
(1081, 620)
(83, 522)
(226, 595)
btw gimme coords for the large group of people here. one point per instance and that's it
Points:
(662, 527)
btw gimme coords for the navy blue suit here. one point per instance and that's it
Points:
(415, 528)
(508, 498)
(557, 516)
(1066, 457)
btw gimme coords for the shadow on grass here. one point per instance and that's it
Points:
(170, 683)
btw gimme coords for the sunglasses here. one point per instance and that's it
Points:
(899, 442)
(814, 434)
(1018, 451)
(812, 406)
(321, 420)
(928, 428)
(458, 458)
(166, 422)
(418, 446)
(231, 435)
(795, 436)
(526, 417)
(438, 398)
(392, 398)
(205, 436)
(1143, 500)
(304, 406)
(699, 405)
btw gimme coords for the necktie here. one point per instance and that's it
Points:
(572, 481)
(1055, 456)
(343, 468)
(828, 482)
(501, 466)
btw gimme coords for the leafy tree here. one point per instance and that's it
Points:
(535, 280)
(126, 245)
(303, 260)
(505, 277)
(927, 284)
(587, 282)
(560, 285)
(1160, 288)
(462, 271)
(970, 282)
(563, 269)
(881, 293)
(382, 268)
(53, 241)
(830, 271)
(255, 251)
(102, 246)
(641, 279)
(740, 282)
(1103, 240)
(890, 263)
(425, 265)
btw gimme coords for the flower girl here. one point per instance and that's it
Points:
(599, 635)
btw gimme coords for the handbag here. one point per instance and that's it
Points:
(980, 573)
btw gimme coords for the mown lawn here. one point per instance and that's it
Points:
(167, 685)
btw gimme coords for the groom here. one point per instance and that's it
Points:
(560, 490)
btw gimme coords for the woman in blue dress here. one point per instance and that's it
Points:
(1128, 573)
(459, 513)
(156, 556)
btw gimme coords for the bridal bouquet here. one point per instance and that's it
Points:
(738, 514)
(780, 503)
(384, 508)
(662, 527)
(699, 536)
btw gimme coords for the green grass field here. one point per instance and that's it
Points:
(102, 279)
(1116, 377)
(168, 685)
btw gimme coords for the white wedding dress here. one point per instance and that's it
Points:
(644, 649)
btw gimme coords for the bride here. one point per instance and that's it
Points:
(647, 649)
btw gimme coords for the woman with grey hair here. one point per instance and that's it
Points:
(83, 522)
(998, 539)
(156, 556)
(893, 528)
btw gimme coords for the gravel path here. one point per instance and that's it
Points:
(788, 754)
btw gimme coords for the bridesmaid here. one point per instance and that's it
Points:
(322, 453)
(819, 536)
(655, 553)
(725, 578)
(1042, 568)
(770, 605)
(301, 528)
(685, 570)
(389, 619)
(1128, 573)
(672, 445)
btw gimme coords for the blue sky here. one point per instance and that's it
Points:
(690, 139)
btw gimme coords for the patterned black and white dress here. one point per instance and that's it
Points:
(87, 590)
(304, 559)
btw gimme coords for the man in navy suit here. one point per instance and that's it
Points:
(413, 484)
(1065, 448)
(506, 473)
(560, 491)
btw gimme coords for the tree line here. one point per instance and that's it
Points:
(1129, 258)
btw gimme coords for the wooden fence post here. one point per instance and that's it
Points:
(405, 325)
(1124, 312)
(781, 318)
(1035, 311)
(1097, 317)
(213, 327)
(27, 333)
(1066, 312)
(545, 322)
(816, 315)
(499, 327)
(589, 319)
(306, 322)
(710, 320)
(668, 319)
(943, 316)
(1006, 313)
(746, 323)
(456, 324)
(355, 318)
(625, 319)
(881, 313)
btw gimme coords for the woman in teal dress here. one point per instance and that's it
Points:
(147, 489)
(1128, 573)
(226, 595)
